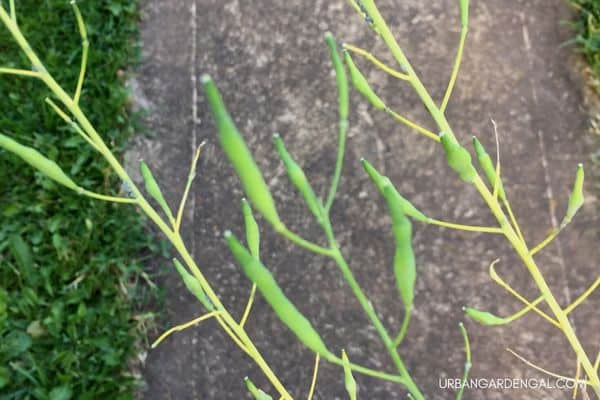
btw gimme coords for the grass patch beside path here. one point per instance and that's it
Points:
(587, 28)
(70, 267)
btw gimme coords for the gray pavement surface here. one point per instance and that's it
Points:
(270, 62)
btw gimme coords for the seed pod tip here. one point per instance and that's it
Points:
(205, 79)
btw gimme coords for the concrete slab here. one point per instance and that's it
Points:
(270, 62)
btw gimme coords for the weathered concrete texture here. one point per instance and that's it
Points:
(270, 62)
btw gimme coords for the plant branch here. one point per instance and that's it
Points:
(376, 62)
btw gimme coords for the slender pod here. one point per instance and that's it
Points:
(154, 190)
(404, 258)
(283, 307)
(361, 84)
(192, 284)
(487, 165)
(382, 182)
(576, 197)
(298, 178)
(340, 76)
(349, 381)
(38, 161)
(484, 317)
(458, 158)
(240, 157)
(252, 230)
(256, 392)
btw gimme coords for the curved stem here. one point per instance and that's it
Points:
(459, 53)
(403, 327)
(313, 383)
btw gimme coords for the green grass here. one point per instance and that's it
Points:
(70, 267)
(587, 27)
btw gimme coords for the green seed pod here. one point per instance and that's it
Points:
(240, 157)
(360, 83)
(38, 161)
(484, 317)
(154, 190)
(464, 12)
(252, 230)
(404, 258)
(256, 392)
(340, 76)
(283, 307)
(192, 284)
(382, 182)
(298, 178)
(459, 158)
(349, 381)
(486, 164)
(576, 197)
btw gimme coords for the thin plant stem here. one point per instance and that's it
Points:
(577, 375)
(513, 220)
(525, 310)
(313, 382)
(21, 72)
(545, 371)
(468, 364)
(339, 163)
(233, 336)
(471, 228)
(376, 62)
(72, 123)
(248, 305)
(13, 11)
(583, 296)
(369, 372)
(125, 200)
(545, 242)
(403, 327)
(310, 246)
(183, 326)
(459, 53)
(413, 125)
(85, 44)
(188, 185)
(496, 278)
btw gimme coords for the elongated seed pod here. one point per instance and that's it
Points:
(487, 165)
(236, 150)
(405, 269)
(576, 198)
(484, 317)
(464, 12)
(298, 178)
(382, 182)
(38, 161)
(252, 230)
(458, 158)
(154, 190)
(192, 284)
(349, 381)
(283, 307)
(340, 76)
(361, 84)
(256, 392)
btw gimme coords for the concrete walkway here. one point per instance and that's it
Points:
(270, 62)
